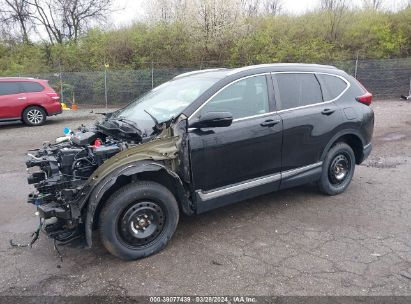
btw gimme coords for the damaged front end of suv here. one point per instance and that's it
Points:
(73, 175)
(142, 147)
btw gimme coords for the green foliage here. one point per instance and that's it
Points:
(312, 37)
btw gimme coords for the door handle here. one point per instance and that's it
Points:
(21, 98)
(270, 123)
(327, 111)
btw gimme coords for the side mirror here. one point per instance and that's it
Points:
(213, 120)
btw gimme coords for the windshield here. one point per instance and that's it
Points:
(167, 100)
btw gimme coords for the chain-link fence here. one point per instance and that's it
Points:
(384, 78)
(107, 87)
(388, 78)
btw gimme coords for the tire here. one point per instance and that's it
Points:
(338, 169)
(138, 220)
(34, 116)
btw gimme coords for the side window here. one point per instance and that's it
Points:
(332, 86)
(29, 86)
(297, 90)
(9, 87)
(243, 98)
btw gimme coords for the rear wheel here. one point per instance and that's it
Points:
(34, 116)
(138, 220)
(338, 169)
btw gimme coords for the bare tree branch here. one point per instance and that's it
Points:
(66, 20)
(16, 12)
(273, 7)
(335, 11)
(373, 4)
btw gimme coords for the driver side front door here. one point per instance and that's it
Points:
(243, 160)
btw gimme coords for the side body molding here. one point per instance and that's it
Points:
(251, 188)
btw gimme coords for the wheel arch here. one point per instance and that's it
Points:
(33, 105)
(150, 171)
(352, 138)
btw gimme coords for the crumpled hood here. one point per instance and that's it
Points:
(125, 129)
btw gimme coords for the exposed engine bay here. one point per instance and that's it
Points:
(60, 170)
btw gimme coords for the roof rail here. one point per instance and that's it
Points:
(197, 72)
(234, 71)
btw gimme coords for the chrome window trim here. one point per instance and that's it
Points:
(343, 79)
(277, 111)
(253, 116)
(248, 184)
(318, 103)
(303, 107)
(227, 85)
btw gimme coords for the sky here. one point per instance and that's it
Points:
(127, 11)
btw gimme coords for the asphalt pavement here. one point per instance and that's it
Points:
(293, 242)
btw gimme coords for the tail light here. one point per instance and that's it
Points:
(365, 99)
(53, 96)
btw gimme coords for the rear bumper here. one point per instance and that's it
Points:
(54, 108)
(56, 113)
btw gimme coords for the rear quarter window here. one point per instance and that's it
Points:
(332, 86)
(297, 90)
(9, 88)
(30, 86)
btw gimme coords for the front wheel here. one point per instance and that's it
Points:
(138, 220)
(338, 169)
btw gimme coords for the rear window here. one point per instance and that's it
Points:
(332, 86)
(9, 87)
(297, 90)
(30, 86)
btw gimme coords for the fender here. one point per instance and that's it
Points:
(354, 132)
(129, 170)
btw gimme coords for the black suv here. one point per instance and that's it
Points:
(200, 141)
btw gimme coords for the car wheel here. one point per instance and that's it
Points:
(138, 220)
(34, 116)
(338, 169)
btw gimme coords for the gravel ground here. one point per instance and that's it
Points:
(294, 242)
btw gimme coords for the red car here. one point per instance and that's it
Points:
(27, 99)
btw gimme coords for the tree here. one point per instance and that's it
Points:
(334, 11)
(251, 8)
(168, 10)
(372, 4)
(17, 12)
(273, 7)
(215, 22)
(67, 19)
(333, 5)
